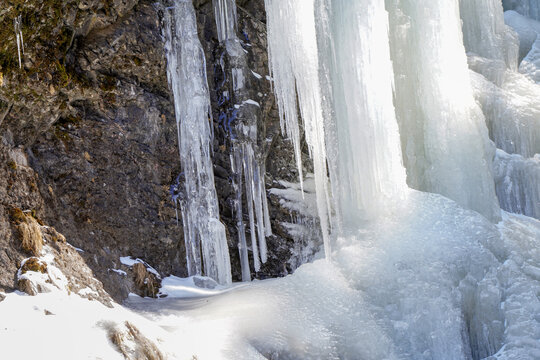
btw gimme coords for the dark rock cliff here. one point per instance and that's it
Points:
(88, 134)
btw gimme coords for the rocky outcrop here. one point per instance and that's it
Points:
(88, 135)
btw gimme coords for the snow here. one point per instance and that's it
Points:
(119, 272)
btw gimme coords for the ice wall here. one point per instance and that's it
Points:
(444, 138)
(204, 234)
(247, 161)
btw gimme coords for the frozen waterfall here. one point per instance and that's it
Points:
(391, 96)
(206, 243)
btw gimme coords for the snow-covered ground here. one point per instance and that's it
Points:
(426, 280)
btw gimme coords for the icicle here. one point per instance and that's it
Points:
(294, 67)
(344, 91)
(186, 70)
(236, 165)
(225, 15)
(246, 158)
(17, 24)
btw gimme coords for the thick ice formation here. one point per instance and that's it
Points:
(485, 33)
(518, 183)
(529, 36)
(527, 30)
(246, 158)
(444, 138)
(528, 8)
(509, 99)
(203, 231)
(512, 111)
(363, 138)
(345, 101)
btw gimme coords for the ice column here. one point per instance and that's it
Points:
(362, 131)
(206, 243)
(444, 138)
(247, 162)
(334, 66)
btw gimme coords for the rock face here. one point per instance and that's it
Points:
(88, 134)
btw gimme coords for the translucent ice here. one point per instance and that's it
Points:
(203, 232)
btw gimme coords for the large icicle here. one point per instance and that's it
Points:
(443, 133)
(246, 158)
(203, 232)
(295, 68)
(347, 48)
(362, 132)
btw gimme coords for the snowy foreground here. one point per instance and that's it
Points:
(427, 280)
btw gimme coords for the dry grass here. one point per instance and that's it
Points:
(131, 343)
(30, 234)
(29, 230)
(34, 264)
(146, 282)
